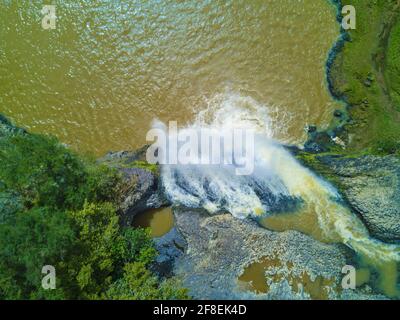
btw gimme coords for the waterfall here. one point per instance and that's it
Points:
(278, 183)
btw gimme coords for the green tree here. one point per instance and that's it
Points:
(138, 283)
(59, 209)
(29, 241)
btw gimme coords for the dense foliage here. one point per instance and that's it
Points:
(393, 64)
(57, 209)
(365, 74)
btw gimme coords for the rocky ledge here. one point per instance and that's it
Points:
(371, 186)
(218, 249)
(210, 252)
(140, 188)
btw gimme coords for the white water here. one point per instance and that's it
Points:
(278, 181)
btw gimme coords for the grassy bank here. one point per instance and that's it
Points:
(392, 67)
(365, 73)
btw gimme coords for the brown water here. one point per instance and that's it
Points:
(255, 278)
(256, 275)
(110, 67)
(160, 221)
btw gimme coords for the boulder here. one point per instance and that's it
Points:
(140, 189)
(170, 247)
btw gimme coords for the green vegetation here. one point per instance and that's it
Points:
(366, 73)
(392, 71)
(312, 161)
(58, 209)
(145, 165)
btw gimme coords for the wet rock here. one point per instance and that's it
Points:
(311, 129)
(137, 187)
(170, 247)
(8, 129)
(318, 142)
(371, 185)
(125, 157)
(140, 189)
(220, 247)
(338, 114)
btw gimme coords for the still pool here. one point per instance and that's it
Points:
(160, 221)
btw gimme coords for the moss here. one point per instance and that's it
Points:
(358, 75)
(145, 165)
(312, 162)
(127, 163)
(392, 70)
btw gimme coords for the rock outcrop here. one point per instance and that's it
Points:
(7, 128)
(371, 185)
(140, 189)
(170, 247)
(220, 247)
(210, 253)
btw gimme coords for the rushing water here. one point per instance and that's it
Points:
(110, 66)
(277, 180)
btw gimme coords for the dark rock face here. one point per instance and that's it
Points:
(140, 189)
(170, 247)
(141, 193)
(318, 142)
(7, 128)
(371, 185)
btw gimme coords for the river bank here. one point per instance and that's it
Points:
(357, 75)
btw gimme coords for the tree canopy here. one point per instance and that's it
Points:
(59, 209)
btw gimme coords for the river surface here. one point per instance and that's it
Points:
(111, 67)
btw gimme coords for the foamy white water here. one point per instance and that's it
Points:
(279, 182)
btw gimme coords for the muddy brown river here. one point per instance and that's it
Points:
(111, 67)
